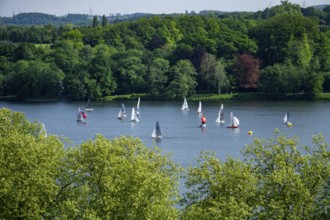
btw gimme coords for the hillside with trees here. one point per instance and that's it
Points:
(280, 52)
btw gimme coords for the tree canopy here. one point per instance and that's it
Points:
(105, 58)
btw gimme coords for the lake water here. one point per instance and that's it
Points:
(182, 135)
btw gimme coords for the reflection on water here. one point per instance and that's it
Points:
(182, 135)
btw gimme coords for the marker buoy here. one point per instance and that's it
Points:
(250, 132)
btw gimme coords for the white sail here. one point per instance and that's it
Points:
(79, 115)
(220, 118)
(133, 114)
(286, 118)
(185, 105)
(122, 112)
(123, 109)
(199, 110)
(134, 117)
(234, 122)
(138, 104)
(137, 112)
(222, 115)
(153, 135)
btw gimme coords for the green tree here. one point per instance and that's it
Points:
(220, 190)
(65, 54)
(25, 51)
(104, 21)
(99, 69)
(285, 8)
(293, 181)
(29, 166)
(34, 79)
(278, 81)
(300, 51)
(206, 73)
(95, 22)
(323, 51)
(117, 179)
(314, 85)
(143, 31)
(221, 78)
(182, 81)
(326, 82)
(92, 36)
(158, 77)
(76, 87)
(278, 179)
(130, 72)
(278, 36)
(73, 35)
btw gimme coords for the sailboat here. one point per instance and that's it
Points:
(137, 112)
(234, 122)
(286, 119)
(221, 117)
(156, 132)
(81, 115)
(122, 112)
(185, 105)
(199, 110)
(88, 106)
(43, 130)
(134, 117)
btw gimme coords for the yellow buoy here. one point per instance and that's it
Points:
(250, 132)
(289, 124)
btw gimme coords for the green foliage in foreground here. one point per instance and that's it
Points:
(275, 181)
(118, 179)
(123, 179)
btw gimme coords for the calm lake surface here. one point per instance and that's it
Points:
(182, 135)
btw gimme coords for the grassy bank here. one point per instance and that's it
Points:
(324, 96)
(195, 97)
(232, 96)
(216, 97)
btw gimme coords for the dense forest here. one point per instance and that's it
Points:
(279, 52)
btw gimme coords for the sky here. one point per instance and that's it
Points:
(107, 7)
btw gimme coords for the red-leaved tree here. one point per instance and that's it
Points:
(246, 71)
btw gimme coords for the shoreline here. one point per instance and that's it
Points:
(194, 97)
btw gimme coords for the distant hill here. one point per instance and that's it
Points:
(36, 18)
(320, 7)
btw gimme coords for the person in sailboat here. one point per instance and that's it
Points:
(203, 119)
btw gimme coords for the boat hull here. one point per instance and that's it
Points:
(232, 126)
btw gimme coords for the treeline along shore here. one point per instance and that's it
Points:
(279, 53)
